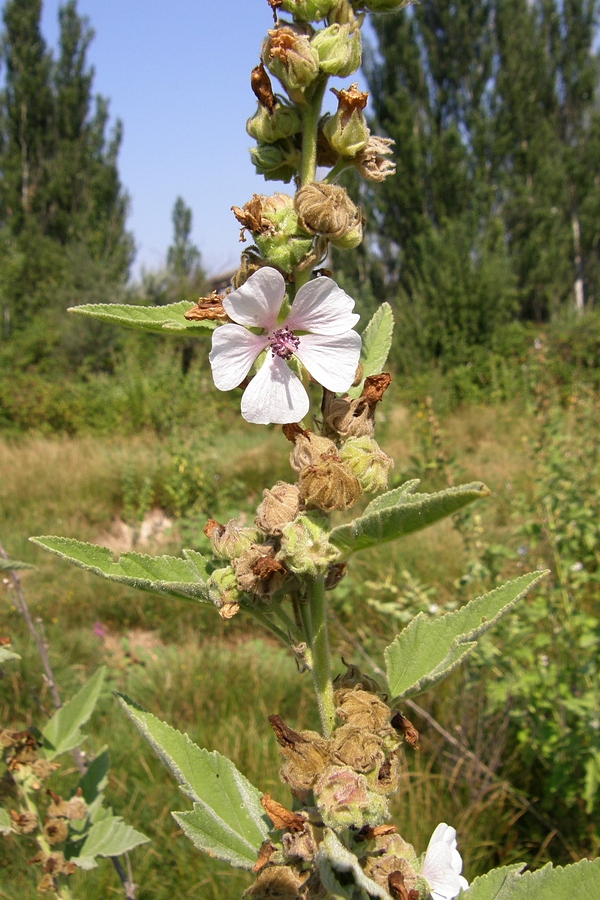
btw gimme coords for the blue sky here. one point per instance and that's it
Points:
(177, 72)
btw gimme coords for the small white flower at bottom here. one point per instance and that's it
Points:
(443, 864)
(317, 331)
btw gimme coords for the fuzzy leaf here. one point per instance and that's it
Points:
(580, 881)
(392, 498)
(228, 820)
(5, 823)
(8, 565)
(410, 512)
(429, 649)
(376, 343)
(146, 318)
(6, 654)
(63, 732)
(171, 575)
(110, 836)
(489, 886)
(96, 778)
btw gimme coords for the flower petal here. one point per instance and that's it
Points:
(322, 307)
(331, 360)
(234, 349)
(442, 864)
(257, 302)
(275, 395)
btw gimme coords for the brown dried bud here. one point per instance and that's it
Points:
(329, 484)
(334, 575)
(250, 263)
(344, 417)
(388, 776)
(232, 540)
(262, 88)
(76, 808)
(264, 855)
(405, 727)
(393, 854)
(280, 505)
(299, 846)
(328, 210)
(371, 162)
(276, 883)
(280, 816)
(58, 808)
(306, 753)
(363, 709)
(352, 746)
(208, 308)
(354, 678)
(56, 831)
(309, 448)
(43, 769)
(398, 890)
(25, 822)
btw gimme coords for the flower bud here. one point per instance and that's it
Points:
(371, 162)
(276, 162)
(258, 572)
(344, 417)
(352, 746)
(223, 592)
(339, 49)
(308, 10)
(329, 484)
(305, 547)
(344, 799)
(268, 127)
(362, 709)
(276, 883)
(56, 831)
(308, 447)
(328, 210)
(384, 6)
(306, 755)
(392, 854)
(347, 130)
(288, 55)
(280, 505)
(273, 222)
(229, 541)
(369, 463)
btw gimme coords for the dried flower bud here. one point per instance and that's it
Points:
(262, 88)
(280, 505)
(24, 823)
(368, 462)
(354, 678)
(258, 572)
(405, 727)
(276, 162)
(305, 547)
(210, 308)
(43, 769)
(250, 263)
(276, 883)
(362, 709)
(371, 163)
(339, 49)
(288, 55)
(344, 417)
(307, 10)
(347, 130)
(388, 775)
(392, 854)
(231, 540)
(329, 484)
(352, 746)
(268, 127)
(308, 447)
(306, 755)
(76, 808)
(344, 799)
(328, 210)
(56, 831)
(223, 592)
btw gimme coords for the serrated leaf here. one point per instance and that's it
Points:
(110, 836)
(6, 655)
(410, 512)
(376, 343)
(488, 886)
(579, 881)
(62, 732)
(146, 318)
(228, 820)
(429, 649)
(7, 565)
(183, 578)
(5, 822)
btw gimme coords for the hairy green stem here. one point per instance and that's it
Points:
(266, 622)
(310, 126)
(319, 645)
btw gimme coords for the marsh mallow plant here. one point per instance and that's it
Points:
(286, 334)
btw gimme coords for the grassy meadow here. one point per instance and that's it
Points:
(219, 680)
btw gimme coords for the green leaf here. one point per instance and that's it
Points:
(488, 886)
(6, 654)
(8, 565)
(171, 575)
(228, 820)
(146, 318)
(376, 343)
(580, 881)
(110, 836)
(63, 732)
(5, 823)
(429, 649)
(392, 498)
(410, 512)
(96, 778)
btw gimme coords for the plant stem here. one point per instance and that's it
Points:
(318, 642)
(312, 114)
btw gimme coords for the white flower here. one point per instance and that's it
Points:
(443, 864)
(326, 346)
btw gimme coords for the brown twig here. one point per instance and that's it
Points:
(464, 751)
(38, 633)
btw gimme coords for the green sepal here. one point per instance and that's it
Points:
(228, 820)
(429, 649)
(146, 318)
(408, 512)
(376, 343)
(183, 578)
(63, 731)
